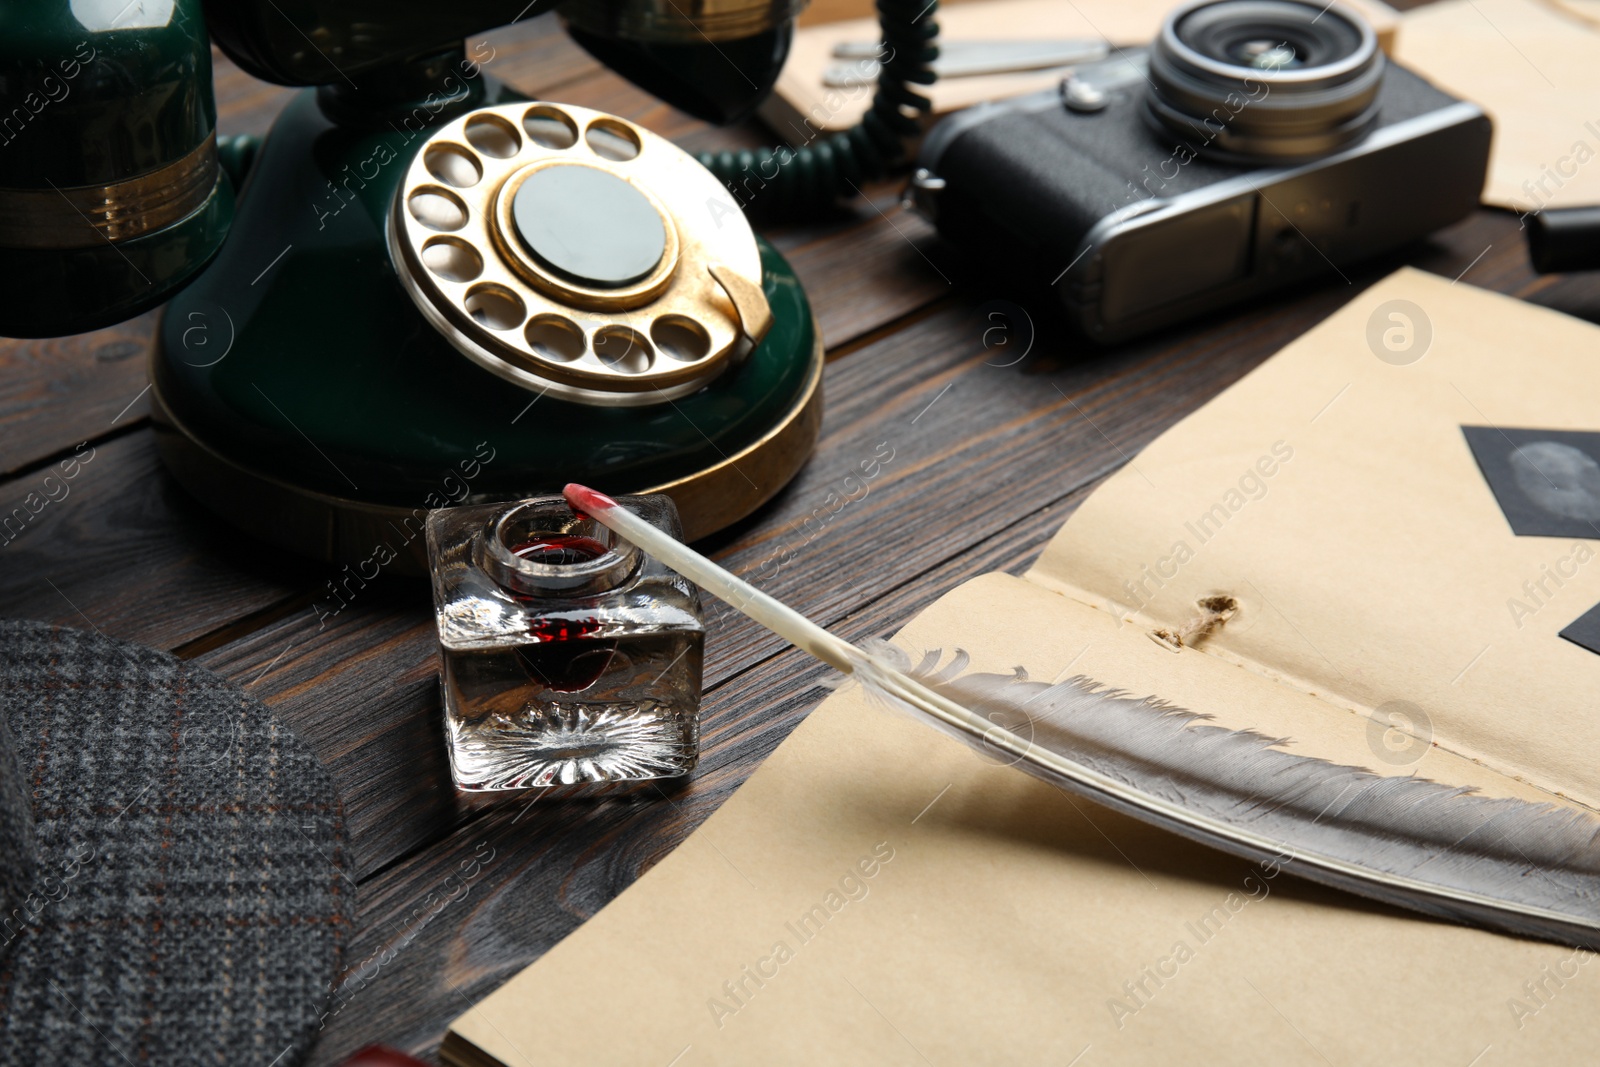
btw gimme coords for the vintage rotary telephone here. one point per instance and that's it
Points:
(431, 289)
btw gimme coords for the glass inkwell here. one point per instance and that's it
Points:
(570, 657)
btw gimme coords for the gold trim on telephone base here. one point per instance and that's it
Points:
(341, 530)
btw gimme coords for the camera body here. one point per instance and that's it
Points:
(1135, 227)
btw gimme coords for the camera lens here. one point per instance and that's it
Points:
(1266, 55)
(1265, 81)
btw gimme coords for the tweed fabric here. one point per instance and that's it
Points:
(18, 859)
(192, 898)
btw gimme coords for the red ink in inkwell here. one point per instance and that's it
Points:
(564, 659)
(557, 550)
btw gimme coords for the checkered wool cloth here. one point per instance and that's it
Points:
(191, 896)
(19, 860)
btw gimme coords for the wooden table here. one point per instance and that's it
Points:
(990, 457)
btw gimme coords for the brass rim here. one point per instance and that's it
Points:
(453, 239)
(83, 216)
(341, 530)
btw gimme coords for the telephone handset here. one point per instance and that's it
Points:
(714, 60)
(432, 289)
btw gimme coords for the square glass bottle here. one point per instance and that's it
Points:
(569, 655)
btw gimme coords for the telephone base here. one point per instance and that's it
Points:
(300, 393)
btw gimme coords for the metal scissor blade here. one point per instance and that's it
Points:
(964, 59)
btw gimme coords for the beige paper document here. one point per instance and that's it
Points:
(1534, 66)
(879, 893)
(801, 104)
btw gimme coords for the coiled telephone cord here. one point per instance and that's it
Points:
(790, 181)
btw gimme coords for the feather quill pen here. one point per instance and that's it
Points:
(1525, 868)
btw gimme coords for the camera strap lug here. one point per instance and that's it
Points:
(922, 194)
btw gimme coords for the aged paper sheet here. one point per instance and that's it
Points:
(879, 893)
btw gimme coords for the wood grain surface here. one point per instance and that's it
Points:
(991, 451)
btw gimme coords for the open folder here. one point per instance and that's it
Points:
(879, 893)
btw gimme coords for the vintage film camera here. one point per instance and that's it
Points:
(1254, 145)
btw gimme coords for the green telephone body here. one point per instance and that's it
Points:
(299, 387)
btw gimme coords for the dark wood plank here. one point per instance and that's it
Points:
(1496, 237)
(244, 104)
(873, 273)
(58, 393)
(536, 56)
(122, 549)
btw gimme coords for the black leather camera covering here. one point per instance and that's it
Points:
(1026, 184)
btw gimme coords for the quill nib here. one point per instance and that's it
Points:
(1524, 868)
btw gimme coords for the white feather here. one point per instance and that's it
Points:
(1526, 868)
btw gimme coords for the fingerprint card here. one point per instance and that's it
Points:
(1547, 482)
(1585, 630)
